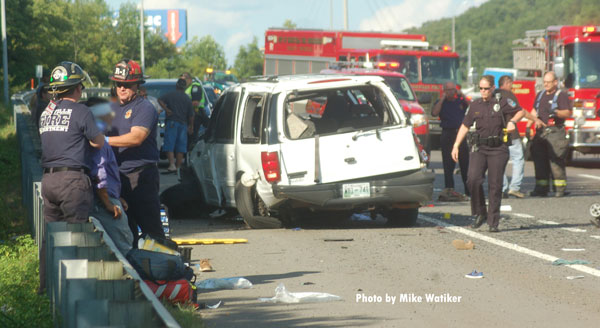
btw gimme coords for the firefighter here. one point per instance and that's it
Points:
(67, 129)
(494, 118)
(550, 145)
(134, 136)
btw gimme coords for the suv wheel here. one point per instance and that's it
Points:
(252, 208)
(402, 217)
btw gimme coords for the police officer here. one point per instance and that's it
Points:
(67, 130)
(550, 145)
(195, 91)
(494, 117)
(134, 135)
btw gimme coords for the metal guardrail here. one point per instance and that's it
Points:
(89, 282)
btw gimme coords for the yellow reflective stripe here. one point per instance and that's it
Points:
(560, 183)
(542, 182)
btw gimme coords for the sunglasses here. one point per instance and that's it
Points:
(124, 85)
(486, 89)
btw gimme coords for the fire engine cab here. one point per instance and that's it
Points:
(573, 52)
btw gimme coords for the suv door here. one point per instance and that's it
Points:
(223, 157)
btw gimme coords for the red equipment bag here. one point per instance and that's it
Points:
(176, 291)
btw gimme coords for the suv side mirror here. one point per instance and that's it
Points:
(559, 67)
(425, 99)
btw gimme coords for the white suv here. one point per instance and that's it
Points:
(279, 145)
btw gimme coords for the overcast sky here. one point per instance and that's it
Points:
(234, 22)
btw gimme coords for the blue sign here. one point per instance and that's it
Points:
(171, 23)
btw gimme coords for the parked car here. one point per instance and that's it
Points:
(268, 154)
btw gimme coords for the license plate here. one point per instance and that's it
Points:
(356, 190)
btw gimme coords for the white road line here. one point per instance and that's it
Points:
(507, 245)
(595, 236)
(521, 215)
(589, 176)
(548, 222)
(574, 229)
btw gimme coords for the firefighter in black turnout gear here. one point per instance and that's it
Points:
(495, 118)
(550, 145)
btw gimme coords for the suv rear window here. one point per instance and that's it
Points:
(331, 111)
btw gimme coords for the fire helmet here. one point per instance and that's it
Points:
(64, 76)
(128, 71)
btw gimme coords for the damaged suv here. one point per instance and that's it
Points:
(278, 146)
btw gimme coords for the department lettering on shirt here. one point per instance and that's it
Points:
(55, 120)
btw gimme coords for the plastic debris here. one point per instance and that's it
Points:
(461, 245)
(205, 265)
(505, 208)
(224, 283)
(361, 217)
(214, 306)
(567, 262)
(296, 229)
(575, 277)
(474, 275)
(595, 236)
(447, 216)
(574, 229)
(217, 213)
(282, 295)
(573, 249)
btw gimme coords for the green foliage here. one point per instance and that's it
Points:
(186, 315)
(249, 60)
(495, 24)
(20, 306)
(290, 24)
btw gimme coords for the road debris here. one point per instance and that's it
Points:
(208, 241)
(282, 295)
(205, 266)
(505, 208)
(575, 277)
(460, 244)
(206, 306)
(474, 275)
(567, 262)
(447, 216)
(361, 217)
(224, 283)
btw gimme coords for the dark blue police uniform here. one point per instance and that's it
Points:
(451, 116)
(138, 166)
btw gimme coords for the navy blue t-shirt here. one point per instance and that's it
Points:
(138, 112)
(453, 113)
(66, 128)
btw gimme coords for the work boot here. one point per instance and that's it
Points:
(505, 195)
(516, 193)
(561, 193)
(451, 195)
(494, 229)
(479, 221)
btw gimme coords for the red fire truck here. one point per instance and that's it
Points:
(310, 51)
(573, 52)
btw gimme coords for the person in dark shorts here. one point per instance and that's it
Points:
(133, 135)
(109, 208)
(179, 123)
(451, 110)
(494, 118)
(67, 134)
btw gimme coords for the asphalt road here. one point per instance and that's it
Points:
(520, 288)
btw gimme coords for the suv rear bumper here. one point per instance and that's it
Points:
(414, 187)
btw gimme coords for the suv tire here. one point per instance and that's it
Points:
(402, 217)
(252, 208)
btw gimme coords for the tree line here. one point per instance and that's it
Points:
(84, 31)
(496, 23)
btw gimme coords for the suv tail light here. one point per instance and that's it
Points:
(423, 156)
(270, 165)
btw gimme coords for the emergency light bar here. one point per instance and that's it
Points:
(591, 29)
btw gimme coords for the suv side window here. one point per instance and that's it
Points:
(225, 121)
(251, 123)
(209, 135)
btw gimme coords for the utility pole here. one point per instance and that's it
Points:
(345, 15)
(4, 53)
(453, 28)
(331, 14)
(143, 59)
(469, 68)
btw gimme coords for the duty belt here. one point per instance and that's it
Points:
(64, 169)
(493, 141)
